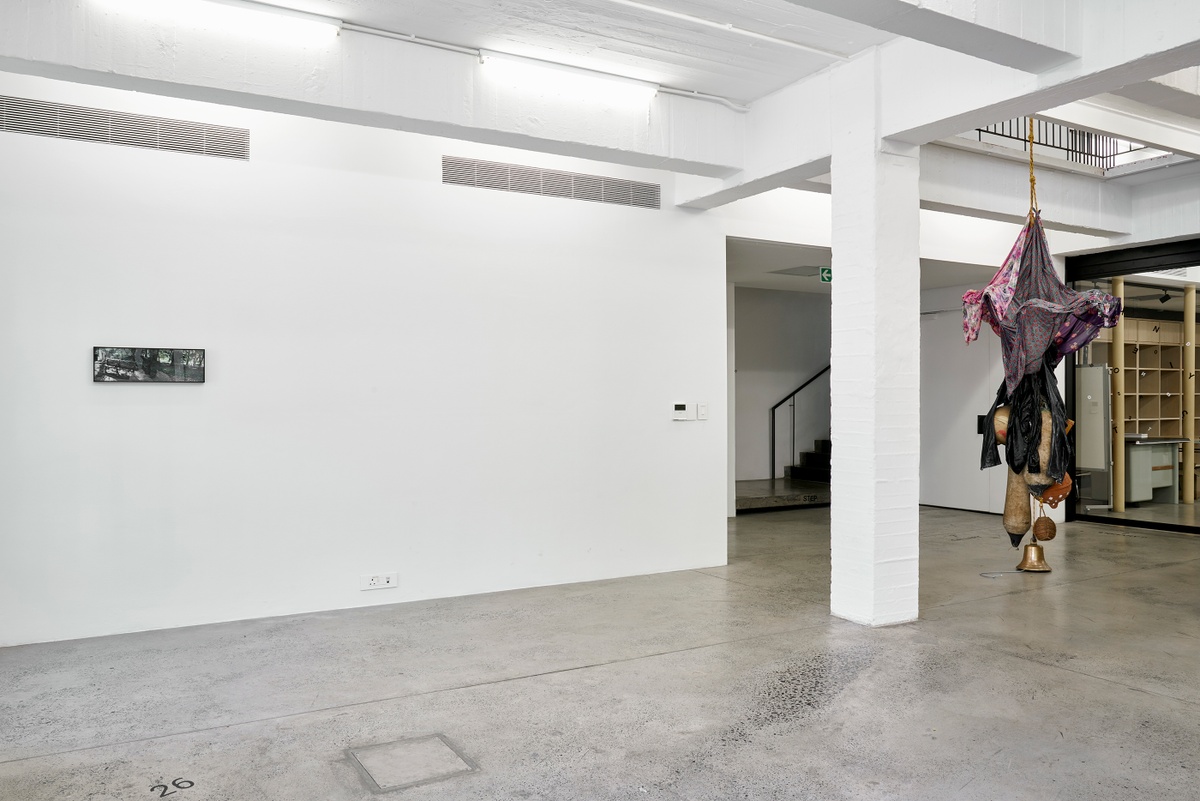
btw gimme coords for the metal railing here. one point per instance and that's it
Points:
(791, 396)
(1081, 147)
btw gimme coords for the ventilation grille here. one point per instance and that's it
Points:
(552, 183)
(21, 115)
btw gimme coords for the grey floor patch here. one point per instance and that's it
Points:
(408, 763)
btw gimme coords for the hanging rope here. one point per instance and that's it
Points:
(1033, 208)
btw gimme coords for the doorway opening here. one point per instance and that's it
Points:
(1132, 399)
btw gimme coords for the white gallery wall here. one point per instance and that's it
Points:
(958, 383)
(469, 388)
(782, 341)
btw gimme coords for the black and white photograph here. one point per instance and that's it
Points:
(160, 365)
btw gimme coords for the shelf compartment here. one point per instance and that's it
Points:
(1147, 330)
(1149, 382)
(1171, 407)
(1171, 333)
(1098, 353)
(1148, 407)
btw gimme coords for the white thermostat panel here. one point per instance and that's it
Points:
(684, 411)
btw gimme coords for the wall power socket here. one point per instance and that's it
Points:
(379, 581)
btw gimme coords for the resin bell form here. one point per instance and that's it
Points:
(1034, 559)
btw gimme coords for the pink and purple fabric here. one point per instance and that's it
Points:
(1032, 310)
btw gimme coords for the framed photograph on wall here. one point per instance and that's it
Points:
(155, 365)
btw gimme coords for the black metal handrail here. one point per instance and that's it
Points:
(1081, 147)
(790, 396)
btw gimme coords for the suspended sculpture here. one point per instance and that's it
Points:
(1039, 321)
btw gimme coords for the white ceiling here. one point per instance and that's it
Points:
(650, 41)
(737, 49)
(774, 265)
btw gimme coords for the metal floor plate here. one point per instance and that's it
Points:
(401, 764)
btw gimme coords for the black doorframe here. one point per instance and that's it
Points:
(1140, 259)
(1114, 264)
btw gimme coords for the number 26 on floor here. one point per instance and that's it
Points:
(178, 784)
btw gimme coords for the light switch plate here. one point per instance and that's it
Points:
(683, 411)
(379, 581)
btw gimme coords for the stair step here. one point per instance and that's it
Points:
(815, 459)
(817, 474)
(823, 446)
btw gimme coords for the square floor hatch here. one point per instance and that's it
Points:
(407, 763)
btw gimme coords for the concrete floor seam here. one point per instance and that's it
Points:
(971, 644)
(746, 584)
(664, 687)
(407, 696)
(948, 604)
(1067, 583)
(1105, 679)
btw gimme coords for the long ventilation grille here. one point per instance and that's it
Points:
(552, 183)
(22, 115)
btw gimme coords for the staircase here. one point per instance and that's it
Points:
(813, 465)
(804, 484)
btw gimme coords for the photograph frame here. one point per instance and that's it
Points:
(125, 365)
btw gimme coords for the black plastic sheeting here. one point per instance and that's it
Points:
(1035, 392)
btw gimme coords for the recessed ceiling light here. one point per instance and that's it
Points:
(535, 75)
(261, 20)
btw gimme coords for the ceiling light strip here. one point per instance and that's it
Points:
(283, 11)
(730, 28)
(480, 54)
(487, 55)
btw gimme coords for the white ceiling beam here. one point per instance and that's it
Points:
(931, 93)
(972, 183)
(787, 140)
(1029, 35)
(1130, 42)
(978, 185)
(1177, 92)
(1126, 119)
(367, 80)
(1165, 210)
(707, 193)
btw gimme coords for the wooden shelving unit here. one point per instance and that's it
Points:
(1153, 376)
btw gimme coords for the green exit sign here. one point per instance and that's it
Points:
(826, 275)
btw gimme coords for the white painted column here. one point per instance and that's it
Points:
(875, 353)
(731, 403)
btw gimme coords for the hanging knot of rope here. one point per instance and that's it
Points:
(1033, 207)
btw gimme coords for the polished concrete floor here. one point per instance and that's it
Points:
(724, 683)
(1178, 514)
(772, 493)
